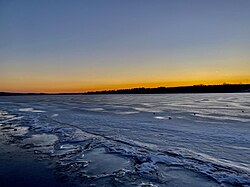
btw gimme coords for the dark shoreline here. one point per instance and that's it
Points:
(224, 88)
(19, 167)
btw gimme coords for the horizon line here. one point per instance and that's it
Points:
(112, 90)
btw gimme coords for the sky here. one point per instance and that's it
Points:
(86, 45)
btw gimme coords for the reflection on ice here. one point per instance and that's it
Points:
(29, 110)
(159, 117)
(54, 115)
(41, 140)
(223, 117)
(148, 184)
(102, 162)
(95, 109)
(176, 176)
(127, 112)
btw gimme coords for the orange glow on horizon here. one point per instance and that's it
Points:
(75, 88)
(80, 79)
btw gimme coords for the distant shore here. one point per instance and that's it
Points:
(224, 88)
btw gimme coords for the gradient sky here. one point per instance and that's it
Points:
(81, 45)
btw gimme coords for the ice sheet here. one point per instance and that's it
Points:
(150, 139)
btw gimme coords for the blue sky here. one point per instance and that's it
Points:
(101, 44)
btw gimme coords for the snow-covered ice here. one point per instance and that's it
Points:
(136, 140)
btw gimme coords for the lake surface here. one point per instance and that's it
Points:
(135, 140)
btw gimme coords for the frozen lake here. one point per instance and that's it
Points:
(135, 140)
